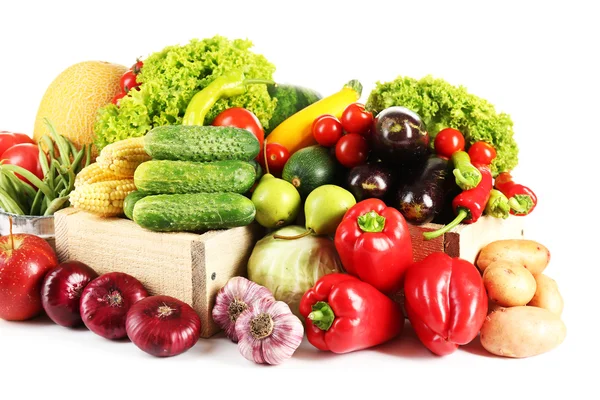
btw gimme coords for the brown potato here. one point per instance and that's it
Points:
(509, 284)
(528, 253)
(523, 331)
(547, 295)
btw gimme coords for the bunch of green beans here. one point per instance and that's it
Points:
(60, 163)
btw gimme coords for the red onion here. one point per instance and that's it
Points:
(234, 298)
(61, 292)
(106, 300)
(163, 326)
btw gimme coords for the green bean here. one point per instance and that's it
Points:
(88, 155)
(43, 159)
(35, 181)
(50, 144)
(56, 205)
(9, 204)
(77, 161)
(36, 204)
(15, 189)
(63, 147)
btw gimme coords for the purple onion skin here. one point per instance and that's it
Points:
(160, 333)
(61, 292)
(106, 300)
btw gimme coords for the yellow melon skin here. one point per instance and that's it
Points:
(73, 98)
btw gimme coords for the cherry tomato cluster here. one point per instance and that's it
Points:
(129, 81)
(449, 140)
(19, 149)
(348, 134)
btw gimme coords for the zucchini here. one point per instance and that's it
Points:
(193, 212)
(167, 177)
(201, 143)
(130, 200)
(290, 100)
(309, 168)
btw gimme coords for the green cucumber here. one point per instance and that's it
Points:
(130, 200)
(168, 177)
(309, 168)
(201, 143)
(193, 212)
(290, 100)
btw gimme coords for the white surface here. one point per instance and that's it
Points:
(536, 61)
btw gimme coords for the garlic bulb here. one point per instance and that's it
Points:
(233, 299)
(268, 332)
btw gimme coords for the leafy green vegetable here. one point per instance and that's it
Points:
(442, 105)
(288, 268)
(171, 77)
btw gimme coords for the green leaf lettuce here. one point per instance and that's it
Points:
(442, 105)
(171, 77)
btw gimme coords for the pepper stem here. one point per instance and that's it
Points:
(463, 213)
(521, 204)
(300, 236)
(467, 180)
(371, 222)
(322, 315)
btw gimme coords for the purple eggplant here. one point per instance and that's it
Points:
(399, 137)
(369, 181)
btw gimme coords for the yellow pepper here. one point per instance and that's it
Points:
(295, 132)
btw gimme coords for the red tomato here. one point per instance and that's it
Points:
(482, 153)
(327, 130)
(352, 150)
(25, 155)
(277, 156)
(244, 119)
(118, 97)
(448, 141)
(128, 81)
(355, 119)
(137, 67)
(9, 139)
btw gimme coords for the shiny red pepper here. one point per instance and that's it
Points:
(374, 244)
(521, 199)
(470, 204)
(445, 301)
(344, 314)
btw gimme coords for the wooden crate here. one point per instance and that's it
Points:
(465, 241)
(188, 266)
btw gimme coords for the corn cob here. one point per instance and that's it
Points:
(102, 198)
(95, 173)
(123, 157)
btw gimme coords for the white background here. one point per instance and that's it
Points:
(535, 60)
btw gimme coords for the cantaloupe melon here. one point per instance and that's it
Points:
(73, 98)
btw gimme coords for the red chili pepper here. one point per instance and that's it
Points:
(521, 199)
(469, 204)
(446, 302)
(374, 244)
(344, 314)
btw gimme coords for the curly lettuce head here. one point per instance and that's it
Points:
(171, 77)
(442, 105)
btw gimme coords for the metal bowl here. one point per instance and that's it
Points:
(35, 225)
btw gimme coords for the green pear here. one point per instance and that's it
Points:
(277, 202)
(325, 208)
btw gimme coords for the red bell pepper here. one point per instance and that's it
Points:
(374, 245)
(344, 314)
(445, 301)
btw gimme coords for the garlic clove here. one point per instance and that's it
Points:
(268, 332)
(233, 299)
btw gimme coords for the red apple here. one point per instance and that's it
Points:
(24, 261)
